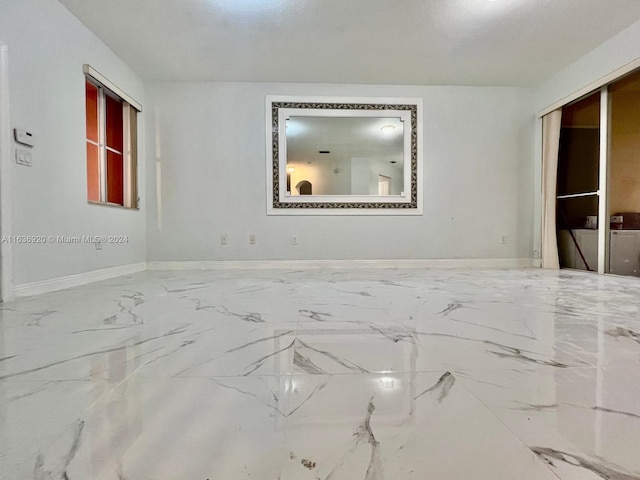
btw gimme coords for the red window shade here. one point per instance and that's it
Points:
(92, 111)
(93, 173)
(115, 190)
(105, 145)
(114, 122)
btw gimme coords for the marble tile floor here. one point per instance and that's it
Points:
(368, 374)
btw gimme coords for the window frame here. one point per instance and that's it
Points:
(129, 153)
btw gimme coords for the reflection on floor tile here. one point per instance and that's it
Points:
(574, 419)
(175, 428)
(410, 425)
(324, 374)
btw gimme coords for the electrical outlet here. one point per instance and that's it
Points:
(252, 239)
(224, 239)
(504, 239)
(294, 239)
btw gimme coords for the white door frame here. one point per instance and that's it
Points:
(6, 250)
(603, 183)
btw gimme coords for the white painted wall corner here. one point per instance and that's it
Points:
(6, 250)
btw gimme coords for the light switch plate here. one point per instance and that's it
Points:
(23, 157)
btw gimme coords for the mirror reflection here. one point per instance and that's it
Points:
(344, 155)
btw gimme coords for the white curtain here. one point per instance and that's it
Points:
(551, 124)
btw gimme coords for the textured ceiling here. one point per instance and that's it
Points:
(412, 42)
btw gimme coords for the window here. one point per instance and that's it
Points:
(111, 126)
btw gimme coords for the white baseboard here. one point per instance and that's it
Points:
(347, 264)
(60, 283)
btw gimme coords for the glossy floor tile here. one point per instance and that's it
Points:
(409, 426)
(367, 374)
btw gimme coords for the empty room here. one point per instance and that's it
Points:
(319, 239)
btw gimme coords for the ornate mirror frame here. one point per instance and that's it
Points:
(279, 202)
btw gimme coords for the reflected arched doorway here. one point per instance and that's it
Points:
(304, 187)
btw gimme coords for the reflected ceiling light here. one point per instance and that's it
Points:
(387, 382)
(290, 386)
(249, 8)
(388, 129)
(294, 127)
(290, 169)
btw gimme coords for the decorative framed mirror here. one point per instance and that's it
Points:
(344, 156)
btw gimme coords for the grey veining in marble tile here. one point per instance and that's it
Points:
(624, 333)
(600, 469)
(363, 434)
(443, 385)
(396, 426)
(59, 470)
(370, 374)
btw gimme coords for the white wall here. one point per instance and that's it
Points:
(206, 148)
(206, 177)
(602, 60)
(47, 47)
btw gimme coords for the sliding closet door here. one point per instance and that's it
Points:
(624, 176)
(577, 207)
